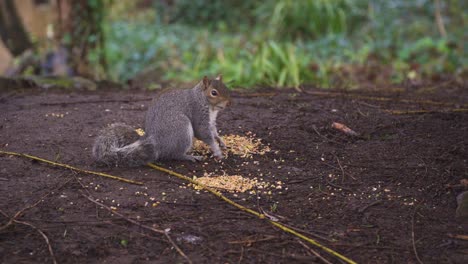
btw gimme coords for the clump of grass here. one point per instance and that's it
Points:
(286, 43)
(307, 19)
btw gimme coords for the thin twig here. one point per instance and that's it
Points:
(369, 205)
(314, 252)
(249, 241)
(324, 137)
(20, 212)
(418, 112)
(97, 101)
(159, 231)
(338, 186)
(257, 214)
(51, 252)
(342, 170)
(412, 236)
(70, 167)
(310, 233)
(382, 99)
(241, 256)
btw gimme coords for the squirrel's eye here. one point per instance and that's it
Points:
(214, 92)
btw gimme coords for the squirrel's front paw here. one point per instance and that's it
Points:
(221, 143)
(218, 155)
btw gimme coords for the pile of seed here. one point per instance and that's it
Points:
(230, 183)
(243, 146)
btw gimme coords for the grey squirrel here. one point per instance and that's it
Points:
(174, 117)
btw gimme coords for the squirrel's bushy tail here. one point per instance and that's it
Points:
(119, 145)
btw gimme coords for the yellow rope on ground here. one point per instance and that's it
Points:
(70, 167)
(259, 215)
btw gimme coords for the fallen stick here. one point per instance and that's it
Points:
(216, 193)
(418, 112)
(413, 240)
(383, 99)
(105, 175)
(259, 215)
(49, 247)
(159, 231)
(20, 212)
(13, 220)
(314, 252)
(97, 101)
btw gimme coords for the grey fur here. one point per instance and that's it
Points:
(172, 120)
(119, 145)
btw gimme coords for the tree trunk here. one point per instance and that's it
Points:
(12, 31)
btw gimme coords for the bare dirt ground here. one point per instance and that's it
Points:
(381, 197)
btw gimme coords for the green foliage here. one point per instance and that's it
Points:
(286, 43)
(84, 37)
(305, 19)
(219, 14)
(272, 64)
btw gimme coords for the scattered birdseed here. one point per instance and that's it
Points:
(235, 183)
(140, 132)
(243, 146)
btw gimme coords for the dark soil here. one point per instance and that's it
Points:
(376, 198)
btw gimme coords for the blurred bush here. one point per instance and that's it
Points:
(285, 42)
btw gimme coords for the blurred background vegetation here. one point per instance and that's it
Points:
(279, 43)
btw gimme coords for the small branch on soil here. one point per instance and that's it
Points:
(51, 252)
(324, 137)
(3, 179)
(257, 214)
(370, 246)
(97, 101)
(338, 186)
(20, 212)
(13, 220)
(314, 252)
(70, 167)
(241, 255)
(363, 209)
(369, 105)
(412, 235)
(342, 170)
(249, 241)
(310, 233)
(382, 99)
(418, 112)
(159, 231)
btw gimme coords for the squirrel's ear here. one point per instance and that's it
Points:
(219, 78)
(206, 82)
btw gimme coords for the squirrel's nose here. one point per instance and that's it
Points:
(229, 103)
